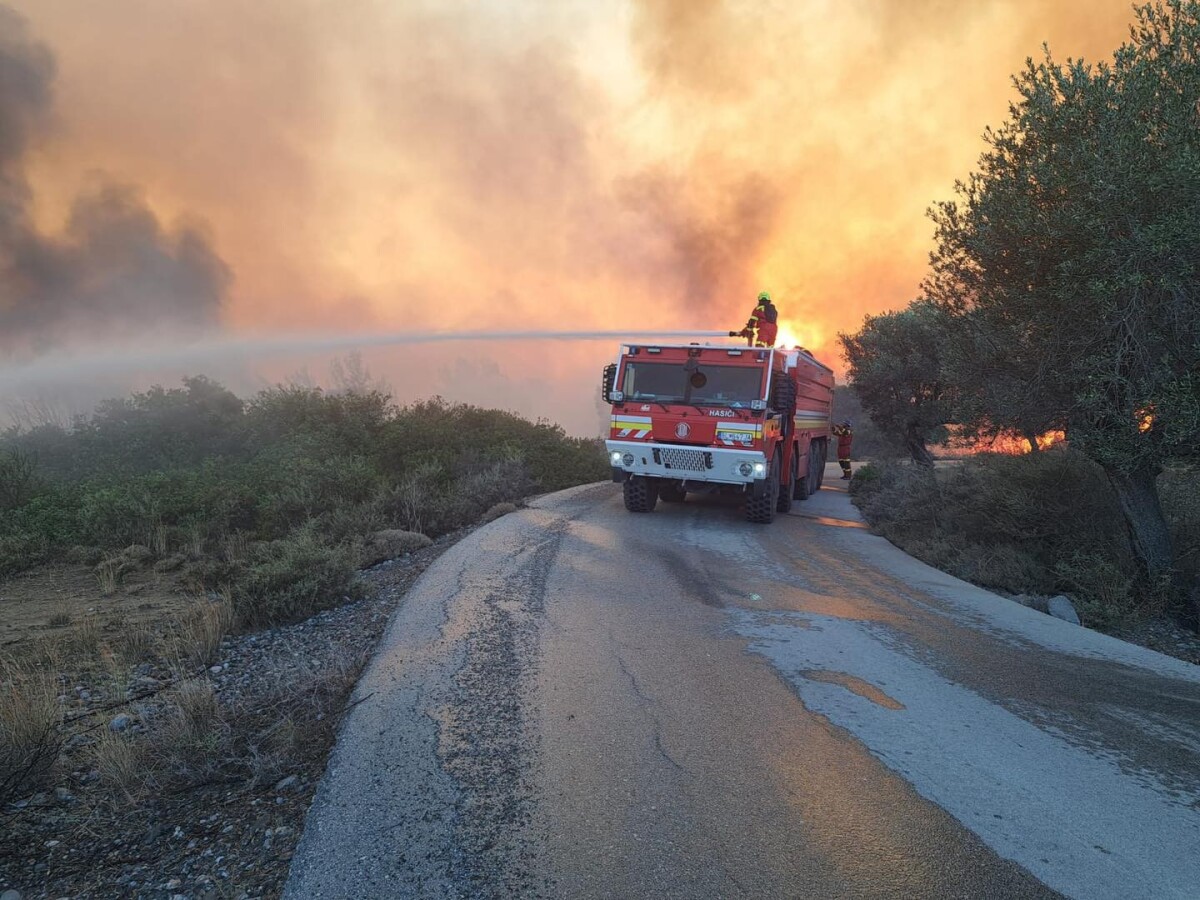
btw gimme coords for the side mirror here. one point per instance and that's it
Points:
(607, 380)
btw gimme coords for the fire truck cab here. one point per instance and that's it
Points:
(692, 418)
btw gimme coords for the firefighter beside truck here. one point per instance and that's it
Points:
(707, 418)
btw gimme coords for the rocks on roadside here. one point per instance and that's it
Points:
(1059, 606)
(1062, 608)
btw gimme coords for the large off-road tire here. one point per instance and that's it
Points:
(784, 503)
(641, 494)
(800, 484)
(761, 510)
(822, 458)
(814, 470)
(671, 492)
(810, 481)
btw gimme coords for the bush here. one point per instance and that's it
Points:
(1042, 523)
(182, 470)
(29, 731)
(391, 543)
(292, 578)
(21, 551)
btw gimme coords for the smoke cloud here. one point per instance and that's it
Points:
(114, 270)
(412, 165)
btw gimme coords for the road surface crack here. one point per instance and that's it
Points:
(647, 704)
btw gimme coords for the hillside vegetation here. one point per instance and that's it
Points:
(137, 544)
(271, 501)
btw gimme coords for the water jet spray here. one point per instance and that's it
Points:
(126, 360)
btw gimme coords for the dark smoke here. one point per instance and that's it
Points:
(114, 270)
(714, 242)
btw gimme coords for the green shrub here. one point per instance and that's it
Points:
(1041, 523)
(182, 470)
(292, 578)
(22, 551)
(345, 423)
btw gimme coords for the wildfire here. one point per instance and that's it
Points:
(790, 337)
(1018, 446)
(1049, 439)
(1145, 418)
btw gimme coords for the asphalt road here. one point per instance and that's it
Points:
(579, 702)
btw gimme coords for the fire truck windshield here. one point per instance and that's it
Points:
(703, 385)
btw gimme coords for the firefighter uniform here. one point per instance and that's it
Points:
(845, 436)
(761, 330)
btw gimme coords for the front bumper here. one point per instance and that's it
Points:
(686, 463)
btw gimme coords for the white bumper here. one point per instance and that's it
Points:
(719, 465)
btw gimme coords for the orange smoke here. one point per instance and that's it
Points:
(530, 165)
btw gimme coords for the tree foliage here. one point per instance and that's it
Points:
(1068, 261)
(895, 369)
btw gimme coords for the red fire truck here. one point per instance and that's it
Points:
(701, 418)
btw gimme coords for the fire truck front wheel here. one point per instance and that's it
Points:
(641, 494)
(761, 508)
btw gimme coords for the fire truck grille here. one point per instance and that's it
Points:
(688, 460)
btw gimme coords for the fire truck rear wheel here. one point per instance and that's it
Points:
(800, 483)
(784, 503)
(761, 510)
(822, 458)
(641, 494)
(671, 492)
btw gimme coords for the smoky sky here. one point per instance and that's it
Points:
(112, 269)
(419, 165)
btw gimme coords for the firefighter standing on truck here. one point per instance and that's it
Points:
(761, 329)
(845, 436)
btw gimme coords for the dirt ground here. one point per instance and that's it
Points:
(56, 601)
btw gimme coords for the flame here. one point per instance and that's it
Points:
(1145, 418)
(790, 336)
(1049, 439)
(1011, 443)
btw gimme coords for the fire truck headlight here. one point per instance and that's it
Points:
(745, 469)
(616, 457)
(627, 459)
(759, 468)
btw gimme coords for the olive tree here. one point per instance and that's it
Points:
(894, 366)
(1071, 257)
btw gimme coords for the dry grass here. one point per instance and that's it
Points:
(108, 575)
(84, 641)
(496, 511)
(198, 635)
(192, 737)
(137, 643)
(120, 760)
(158, 538)
(30, 740)
(194, 543)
